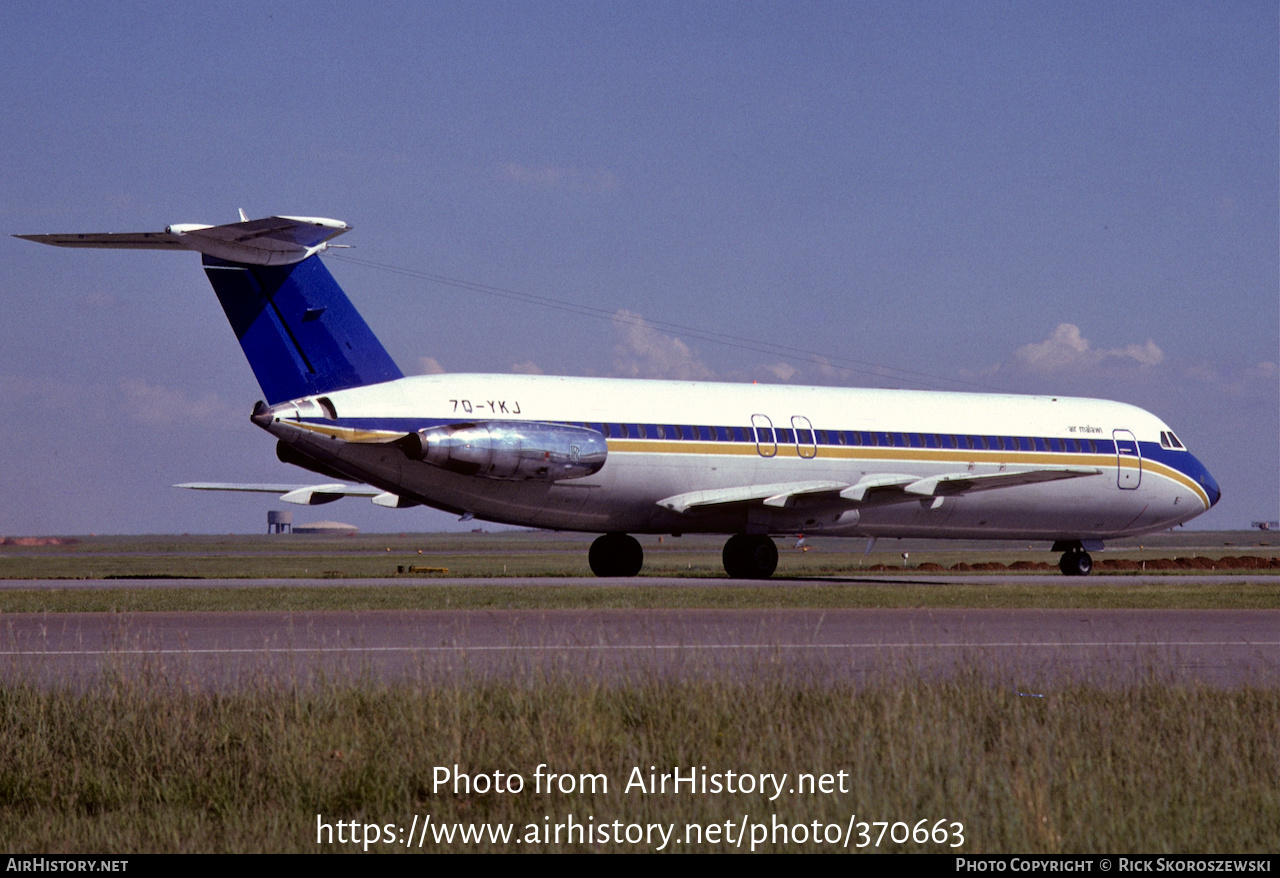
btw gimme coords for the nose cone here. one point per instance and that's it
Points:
(1208, 482)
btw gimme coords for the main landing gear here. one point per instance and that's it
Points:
(745, 556)
(616, 555)
(750, 556)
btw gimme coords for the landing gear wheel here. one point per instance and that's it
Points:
(616, 555)
(1076, 564)
(750, 556)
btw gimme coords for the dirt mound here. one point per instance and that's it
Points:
(38, 541)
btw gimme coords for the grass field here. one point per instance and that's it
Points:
(141, 765)
(425, 596)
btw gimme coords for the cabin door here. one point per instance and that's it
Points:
(806, 440)
(1128, 460)
(766, 441)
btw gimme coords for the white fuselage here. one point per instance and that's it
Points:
(670, 438)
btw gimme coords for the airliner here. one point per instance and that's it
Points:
(620, 457)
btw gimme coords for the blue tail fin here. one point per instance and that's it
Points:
(300, 332)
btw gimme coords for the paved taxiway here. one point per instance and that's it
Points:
(1030, 650)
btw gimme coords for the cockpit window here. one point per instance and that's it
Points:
(1174, 440)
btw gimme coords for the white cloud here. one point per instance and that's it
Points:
(1066, 350)
(528, 367)
(551, 177)
(783, 372)
(644, 352)
(429, 366)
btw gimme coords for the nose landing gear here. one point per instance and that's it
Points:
(1076, 562)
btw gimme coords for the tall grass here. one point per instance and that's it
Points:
(141, 763)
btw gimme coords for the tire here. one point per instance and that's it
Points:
(749, 556)
(616, 555)
(1084, 564)
(1076, 564)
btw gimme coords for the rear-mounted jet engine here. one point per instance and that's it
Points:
(512, 450)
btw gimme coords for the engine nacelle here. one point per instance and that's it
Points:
(512, 450)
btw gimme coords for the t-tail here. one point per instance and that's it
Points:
(299, 331)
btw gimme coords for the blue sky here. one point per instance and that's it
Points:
(1029, 197)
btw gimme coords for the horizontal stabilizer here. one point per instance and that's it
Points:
(307, 495)
(276, 240)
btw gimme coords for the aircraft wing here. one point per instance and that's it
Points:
(961, 483)
(307, 495)
(770, 495)
(872, 490)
